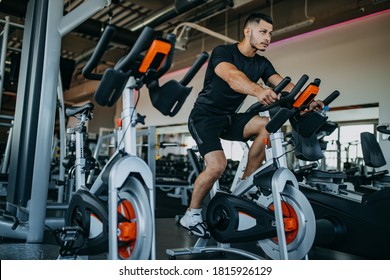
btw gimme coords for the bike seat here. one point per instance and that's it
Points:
(85, 109)
(372, 152)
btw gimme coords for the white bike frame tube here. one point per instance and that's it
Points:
(128, 116)
(125, 166)
(278, 151)
(80, 159)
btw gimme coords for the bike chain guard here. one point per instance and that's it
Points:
(233, 219)
(89, 213)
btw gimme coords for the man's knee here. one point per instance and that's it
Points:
(260, 132)
(216, 168)
(256, 127)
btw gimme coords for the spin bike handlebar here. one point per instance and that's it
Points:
(311, 122)
(194, 68)
(142, 43)
(97, 54)
(145, 68)
(260, 107)
(286, 109)
(286, 99)
(114, 80)
(385, 129)
(124, 65)
(331, 97)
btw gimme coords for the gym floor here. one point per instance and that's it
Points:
(168, 236)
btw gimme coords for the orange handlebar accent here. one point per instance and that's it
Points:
(155, 55)
(306, 96)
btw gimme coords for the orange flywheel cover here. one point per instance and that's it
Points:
(127, 229)
(290, 221)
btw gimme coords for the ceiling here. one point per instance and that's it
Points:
(291, 17)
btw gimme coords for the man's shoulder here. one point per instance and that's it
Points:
(229, 47)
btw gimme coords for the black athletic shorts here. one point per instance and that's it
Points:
(207, 128)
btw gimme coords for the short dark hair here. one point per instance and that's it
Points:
(256, 17)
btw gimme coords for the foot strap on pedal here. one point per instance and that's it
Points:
(70, 239)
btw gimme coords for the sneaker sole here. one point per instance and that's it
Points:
(204, 236)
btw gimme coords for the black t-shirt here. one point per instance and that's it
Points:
(217, 96)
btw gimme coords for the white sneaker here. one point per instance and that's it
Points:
(193, 222)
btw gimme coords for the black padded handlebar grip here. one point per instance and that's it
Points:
(331, 97)
(298, 86)
(143, 42)
(168, 60)
(282, 85)
(97, 54)
(383, 129)
(317, 82)
(202, 58)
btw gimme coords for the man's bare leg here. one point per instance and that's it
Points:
(215, 166)
(256, 155)
(193, 220)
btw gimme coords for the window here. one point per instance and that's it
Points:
(344, 148)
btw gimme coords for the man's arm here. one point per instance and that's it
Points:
(240, 83)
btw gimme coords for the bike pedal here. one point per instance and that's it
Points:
(70, 239)
(71, 233)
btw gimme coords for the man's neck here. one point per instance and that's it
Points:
(246, 49)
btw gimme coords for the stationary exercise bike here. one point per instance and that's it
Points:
(116, 215)
(350, 220)
(374, 177)
(278, 216)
